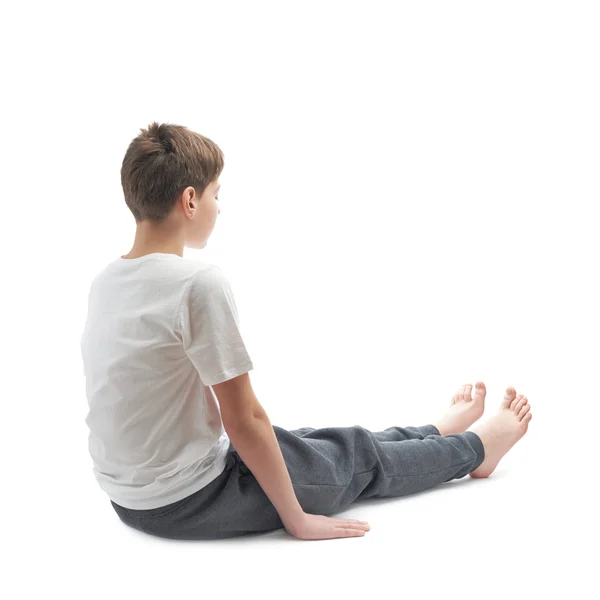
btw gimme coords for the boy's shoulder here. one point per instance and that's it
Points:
(163, 267)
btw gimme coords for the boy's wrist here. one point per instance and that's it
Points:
(292, 518)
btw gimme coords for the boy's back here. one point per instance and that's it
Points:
(160, 329)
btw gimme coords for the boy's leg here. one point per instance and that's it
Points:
(332, 467)
(391, 434)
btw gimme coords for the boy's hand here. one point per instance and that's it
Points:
(320, 527)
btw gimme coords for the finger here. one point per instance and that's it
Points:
(352, 523)
(347, 532)
(348, 520)
(351, 528)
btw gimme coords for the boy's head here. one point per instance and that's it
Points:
(170, 181)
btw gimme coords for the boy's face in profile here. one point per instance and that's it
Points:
(199, 214)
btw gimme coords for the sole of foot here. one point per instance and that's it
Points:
(502, 431)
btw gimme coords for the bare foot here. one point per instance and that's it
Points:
(502, 431)
(464, 410)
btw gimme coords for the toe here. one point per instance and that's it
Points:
(520, 404)
(467, 392)
(458, 395)
(480, 389)
(509, 396)
(525, 422)
(515, 401)
(524, 410)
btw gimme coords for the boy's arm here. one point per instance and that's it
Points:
(253, 437)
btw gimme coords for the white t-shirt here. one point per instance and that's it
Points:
(160, 330)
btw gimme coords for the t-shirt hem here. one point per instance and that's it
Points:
(207, 477)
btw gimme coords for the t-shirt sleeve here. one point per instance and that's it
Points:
(210, 328)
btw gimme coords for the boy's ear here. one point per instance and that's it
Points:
(189, 200)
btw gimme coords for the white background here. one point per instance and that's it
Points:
(409, 203)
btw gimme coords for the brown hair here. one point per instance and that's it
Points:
(161, 162)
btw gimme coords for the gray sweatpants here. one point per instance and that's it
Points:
(330, 468)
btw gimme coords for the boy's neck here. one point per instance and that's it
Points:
(151, 238)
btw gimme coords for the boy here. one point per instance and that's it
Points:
(162, 338)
